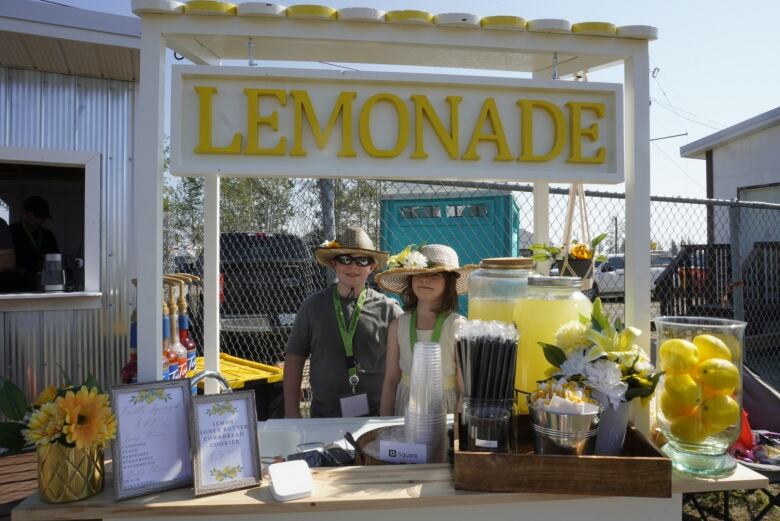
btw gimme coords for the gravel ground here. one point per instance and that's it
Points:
(744, 505)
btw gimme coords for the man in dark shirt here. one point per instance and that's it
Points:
(32, 241)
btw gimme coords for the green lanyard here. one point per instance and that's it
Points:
(347, 335)
(440, 317)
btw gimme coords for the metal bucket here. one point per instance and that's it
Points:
(564, 434)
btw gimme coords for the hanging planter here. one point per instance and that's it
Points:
(582, 268)
(575, 258)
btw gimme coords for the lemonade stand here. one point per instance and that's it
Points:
(253, 121)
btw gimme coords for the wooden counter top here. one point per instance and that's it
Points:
(342, 489)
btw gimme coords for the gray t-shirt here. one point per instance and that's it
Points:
(315, 334)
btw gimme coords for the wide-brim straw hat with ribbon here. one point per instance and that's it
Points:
(436, 258)
(352, 241)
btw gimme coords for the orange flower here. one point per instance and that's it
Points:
(581, 251)
(88, 418)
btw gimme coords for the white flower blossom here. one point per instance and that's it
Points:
(605, 376)
(575, 363)
(572, 335)
(415, 259)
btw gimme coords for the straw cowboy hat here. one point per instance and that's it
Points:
(431, 258)
(352, 241)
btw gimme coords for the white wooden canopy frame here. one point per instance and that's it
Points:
(207, 32)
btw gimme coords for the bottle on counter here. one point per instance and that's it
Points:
(184, 323)
(549, 303)
(168, 354)
(497, 285)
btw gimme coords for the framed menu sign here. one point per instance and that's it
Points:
(152, 447)
(224, 438)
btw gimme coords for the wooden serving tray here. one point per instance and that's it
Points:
(642, 470)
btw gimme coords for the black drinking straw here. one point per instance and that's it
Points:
(510, 388)
(491, 368)
(499, 385)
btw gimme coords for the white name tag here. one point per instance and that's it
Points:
(398, 452)
(354, 405)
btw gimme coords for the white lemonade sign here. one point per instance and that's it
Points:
(293, 122)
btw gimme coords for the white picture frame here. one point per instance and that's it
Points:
(152, 447)
(225, 448)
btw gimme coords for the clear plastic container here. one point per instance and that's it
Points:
(549, 303)
(496, 286)
(699, 397)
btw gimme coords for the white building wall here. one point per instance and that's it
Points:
(751, 161)
(49, 110)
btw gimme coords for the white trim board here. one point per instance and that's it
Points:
(90, 162)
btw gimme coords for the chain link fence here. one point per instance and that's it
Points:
(712, 258)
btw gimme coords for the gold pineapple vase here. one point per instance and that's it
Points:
(68, 474)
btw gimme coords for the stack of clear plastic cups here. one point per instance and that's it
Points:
(426, 415)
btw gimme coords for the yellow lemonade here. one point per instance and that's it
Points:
(538, 320)
(492, 309)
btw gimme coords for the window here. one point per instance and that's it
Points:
(476, 210)
(417, 212)
(51, 200)
(467, 210)
(455, 210)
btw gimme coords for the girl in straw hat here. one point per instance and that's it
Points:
(429, 281)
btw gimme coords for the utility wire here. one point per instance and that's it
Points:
(683, 116)
(682, 113)
(667, 156)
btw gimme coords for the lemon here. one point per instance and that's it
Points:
(689, 428)
(672, 408)
(682, 389)
(719, 412)
(711, 347)
(678, 355)
(719, 375)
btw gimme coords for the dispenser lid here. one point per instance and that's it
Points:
(556, 282)
(507, 263)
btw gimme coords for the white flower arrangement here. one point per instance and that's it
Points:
(602, 357)
(410, 258)
(415, 260)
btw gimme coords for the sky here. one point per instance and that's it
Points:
(712, 66)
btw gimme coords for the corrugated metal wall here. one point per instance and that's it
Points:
(47, 110)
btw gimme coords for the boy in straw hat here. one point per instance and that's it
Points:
(429, 281)
(342, 330)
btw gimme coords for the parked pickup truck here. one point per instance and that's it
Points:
(609, 277)
(264, 278)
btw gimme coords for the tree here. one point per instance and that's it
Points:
(249, 204)
(183, 215)
(246, 205)
(673, 248)
(357, 204)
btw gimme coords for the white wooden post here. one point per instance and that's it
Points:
(211, 334)
(147, 201)
(637, 147)
(542, 220)
(542, 205)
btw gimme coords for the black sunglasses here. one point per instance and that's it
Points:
(346, 260)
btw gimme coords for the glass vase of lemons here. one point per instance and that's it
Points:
(699, 398)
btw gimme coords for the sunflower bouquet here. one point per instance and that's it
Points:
(72, 415)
